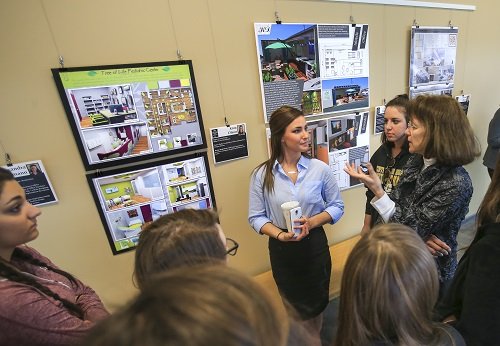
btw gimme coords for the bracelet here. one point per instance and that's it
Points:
(278, 235)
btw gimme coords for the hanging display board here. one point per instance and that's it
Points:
(123, 114)
(432, 60)
(129, 199)
(318, 68)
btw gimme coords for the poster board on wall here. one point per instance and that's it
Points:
(432, 60)
(122, 114)
(318, 68)
(128, 199)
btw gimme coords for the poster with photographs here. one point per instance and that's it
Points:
(432, 60)
(130, 199)
(318, 68)
(128, 113)
(35, 181)
(338, 140)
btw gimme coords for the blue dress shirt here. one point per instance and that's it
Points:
(316, 191)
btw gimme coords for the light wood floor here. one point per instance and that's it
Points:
(141, 145)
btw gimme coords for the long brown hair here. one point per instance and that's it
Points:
(489, 210)
(278, 122)
(183, 238)
(205, 305)
(449, 138)
(389, 288)
(10, 272)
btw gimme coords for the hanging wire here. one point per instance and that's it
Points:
(216, 59)
(8, 161)
(465, 49)
(415, 23)
(386, 72)
(178, 51)
(60, 58)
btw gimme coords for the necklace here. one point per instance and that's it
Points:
(292, 172)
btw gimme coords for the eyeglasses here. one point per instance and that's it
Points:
(388, 168)
(412, 126)
(231, 247)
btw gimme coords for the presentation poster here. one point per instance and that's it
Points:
(35, 181)
(127, 113)
(130, 199)
(229, 142)
(318, 68)
(337, 141)
(432, 60)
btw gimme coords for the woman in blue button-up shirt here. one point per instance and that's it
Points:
(301, 264)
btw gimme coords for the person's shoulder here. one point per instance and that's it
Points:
(460, 176)
(381, 151)
(317, 164)
(36, 254)
(449, 336)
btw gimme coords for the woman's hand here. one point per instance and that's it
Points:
(303, 224)
(437, 247)
(371, 180)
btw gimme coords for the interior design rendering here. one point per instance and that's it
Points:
(124, 190)
(113, 142)
(100, 106)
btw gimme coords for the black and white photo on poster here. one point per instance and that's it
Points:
(432, 60)
(229, 142)
(33, 178)
(317, 68)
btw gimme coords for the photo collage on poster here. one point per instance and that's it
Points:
(337, 141)
(128, 200)
(128, 113)
(432, 60)
(140, 134)
(317, 68)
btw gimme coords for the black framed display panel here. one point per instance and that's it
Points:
(130, 198)
(124, 114)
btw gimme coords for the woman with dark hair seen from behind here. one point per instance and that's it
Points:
(390, 158)
(434, 192)
(40, 304)
(184, 238)
(389, 288)
(472, 302)
(301, 264)
(205, 305)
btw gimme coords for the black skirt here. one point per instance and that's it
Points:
(302, 272)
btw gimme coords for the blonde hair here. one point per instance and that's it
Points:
(389, 288)
(449, 138)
